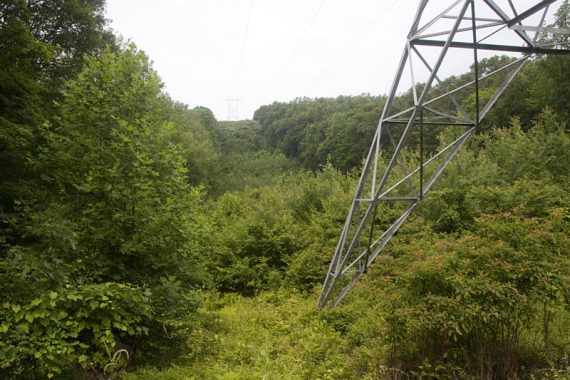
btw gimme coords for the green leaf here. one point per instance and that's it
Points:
(120, 326)
(23, 328)
(36, 302)
(74, 297)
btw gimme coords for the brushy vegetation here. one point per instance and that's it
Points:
(140, 239)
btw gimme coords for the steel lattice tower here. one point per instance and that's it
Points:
(443, 35)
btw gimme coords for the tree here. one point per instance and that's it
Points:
(194, 131)
(552, 86)
(119, 211)
(124, 179)
(73, 28)
(42, 43)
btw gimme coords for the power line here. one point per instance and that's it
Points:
(294, 51)
(245, 36)
(350, 47)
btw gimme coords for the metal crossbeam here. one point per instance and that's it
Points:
(494, 47)
(385, 183)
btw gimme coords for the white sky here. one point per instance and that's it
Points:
(350, 48)
(260, 51)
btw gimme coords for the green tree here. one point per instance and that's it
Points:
(73, 28)
(194, 132)
(123, 178)
(42, 44)
(120, 210)
(22, 107)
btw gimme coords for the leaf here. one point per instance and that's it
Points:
(120, 326)
(36, 302)
(23, 328)
(74, 297)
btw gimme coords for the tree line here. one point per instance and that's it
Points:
(314, 131)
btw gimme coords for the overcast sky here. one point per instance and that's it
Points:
(259, 51)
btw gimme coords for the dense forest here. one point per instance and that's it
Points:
(142, 239)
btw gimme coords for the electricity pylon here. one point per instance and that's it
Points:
(442, 37)
(233, 108)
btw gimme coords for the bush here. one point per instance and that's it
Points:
(72, 327)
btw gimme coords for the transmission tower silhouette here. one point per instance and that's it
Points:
(233, 108)
(441, 38)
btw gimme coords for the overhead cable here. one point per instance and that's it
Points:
(243, 45)
(349, 48)
(294, 51)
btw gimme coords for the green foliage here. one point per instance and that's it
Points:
(474, 285)
(73, 325)
(259, 236)
(240, 136)
(194, 133)
(252, 170)
(550, 71)
(21, 106)
(42, 43)
(175, 320)
(322, 204)
(119, 209)
(485, 293)
(466, 303)
(111, 251)
(246, 161)
(84, 33)
(448, 210)
(254, 238)
(123, 179)
(314, 131)
(339, 130)
(544, 148)
(276, 335)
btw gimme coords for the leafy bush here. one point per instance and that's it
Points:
(73, 326)
(466, 303)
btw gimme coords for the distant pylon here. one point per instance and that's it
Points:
(233, 108)
(442, 37)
